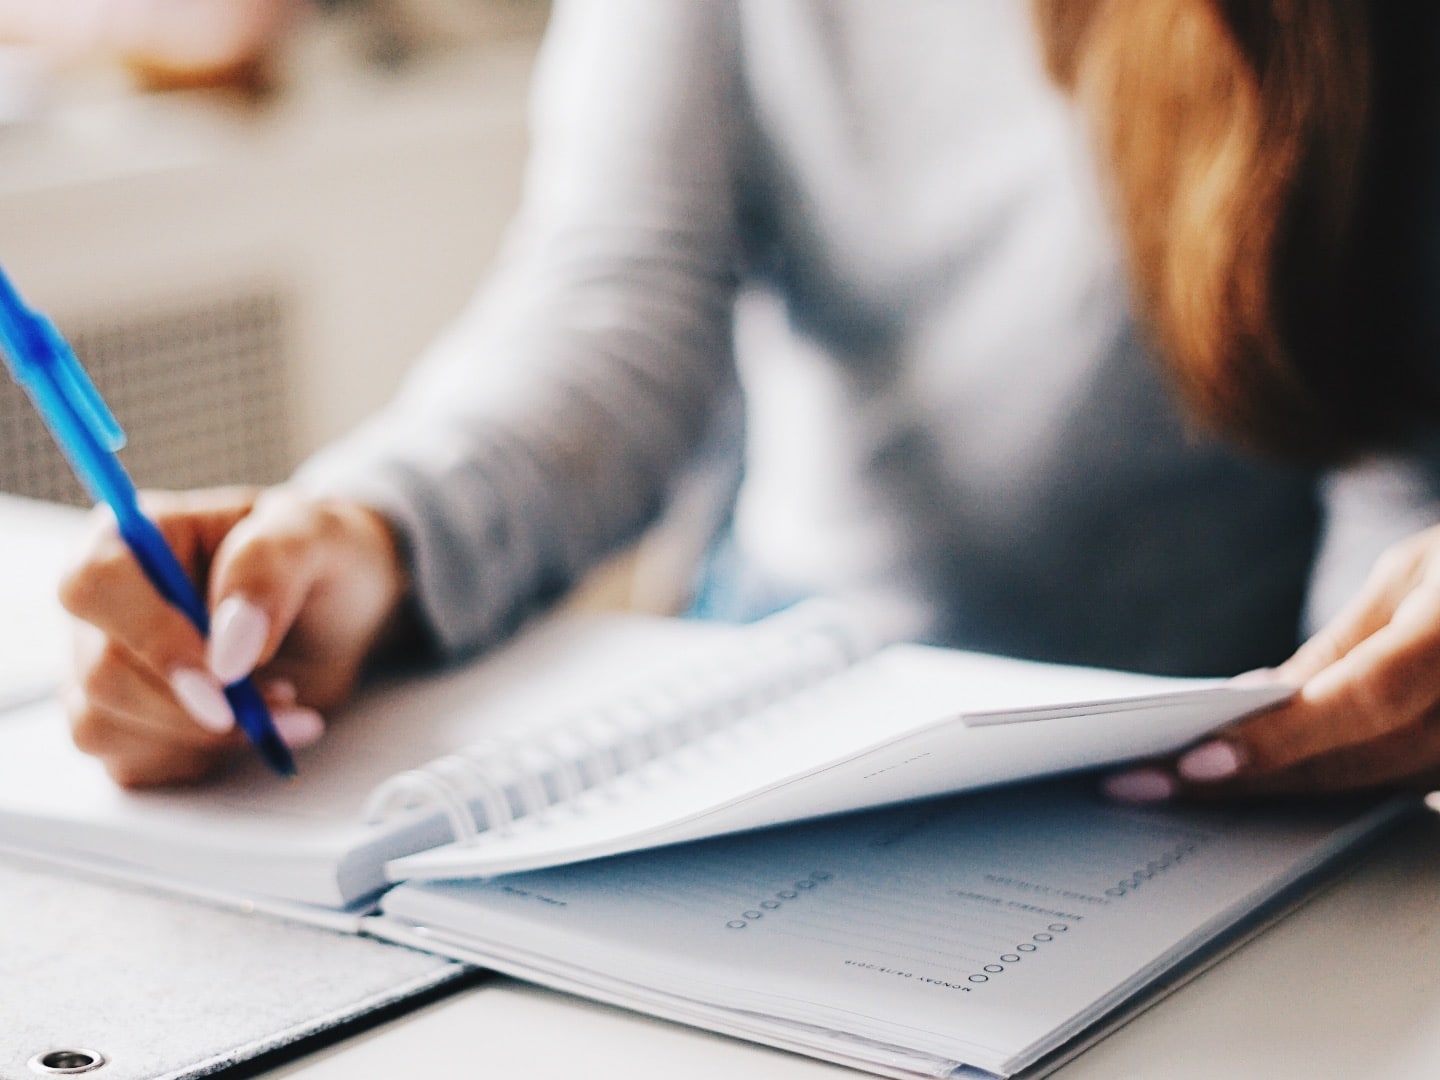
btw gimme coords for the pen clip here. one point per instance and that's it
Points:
(36, 349)
(73, 382)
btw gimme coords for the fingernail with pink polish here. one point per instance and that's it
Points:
(1215, 760)
(238, 631)
(280, 692)
(297, 726)
(203, 699)
(1140, 786)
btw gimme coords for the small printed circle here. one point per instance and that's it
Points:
(1027, 947)
(992, 968)
(804, 884)
(1043, 937)
(787, 894)
(769, 905)
(737, 924)
(1010, 958)
(979, 978)
(1058, 927)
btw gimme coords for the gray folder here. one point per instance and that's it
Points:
(156, 986)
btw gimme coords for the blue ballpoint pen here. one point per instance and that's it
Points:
(87, 433)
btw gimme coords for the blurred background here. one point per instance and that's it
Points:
(249, 216)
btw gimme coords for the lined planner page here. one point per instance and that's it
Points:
(984, 930)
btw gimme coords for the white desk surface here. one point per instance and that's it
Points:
(1348, 985)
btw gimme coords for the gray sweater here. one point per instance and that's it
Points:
(857, 250)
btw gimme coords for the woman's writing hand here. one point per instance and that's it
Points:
(1367, 713)
(300, 592)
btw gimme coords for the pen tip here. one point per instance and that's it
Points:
(277, 756)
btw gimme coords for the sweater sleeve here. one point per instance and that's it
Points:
(546, 427)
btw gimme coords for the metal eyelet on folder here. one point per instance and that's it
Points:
(66, 1062)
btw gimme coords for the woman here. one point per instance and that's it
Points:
(893, 215)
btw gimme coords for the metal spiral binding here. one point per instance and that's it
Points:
(491, 784)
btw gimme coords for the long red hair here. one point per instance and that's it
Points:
(1251, 148)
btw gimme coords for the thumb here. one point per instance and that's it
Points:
(1369, 611)
(262, 573)
(306, 586)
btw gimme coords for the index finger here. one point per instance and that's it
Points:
(1395, 574)
(109, 590)
(1385, 683)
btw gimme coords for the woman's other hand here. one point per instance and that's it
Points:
(1367, 712)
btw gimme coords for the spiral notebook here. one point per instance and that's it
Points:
(594, 736)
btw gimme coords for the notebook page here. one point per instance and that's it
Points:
(985, 930)
(38, 540)
(248, 830)
(890, 728)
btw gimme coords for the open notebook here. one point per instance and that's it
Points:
(973, 935)
(589, 737)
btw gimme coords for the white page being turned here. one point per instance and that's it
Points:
(890, 728)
